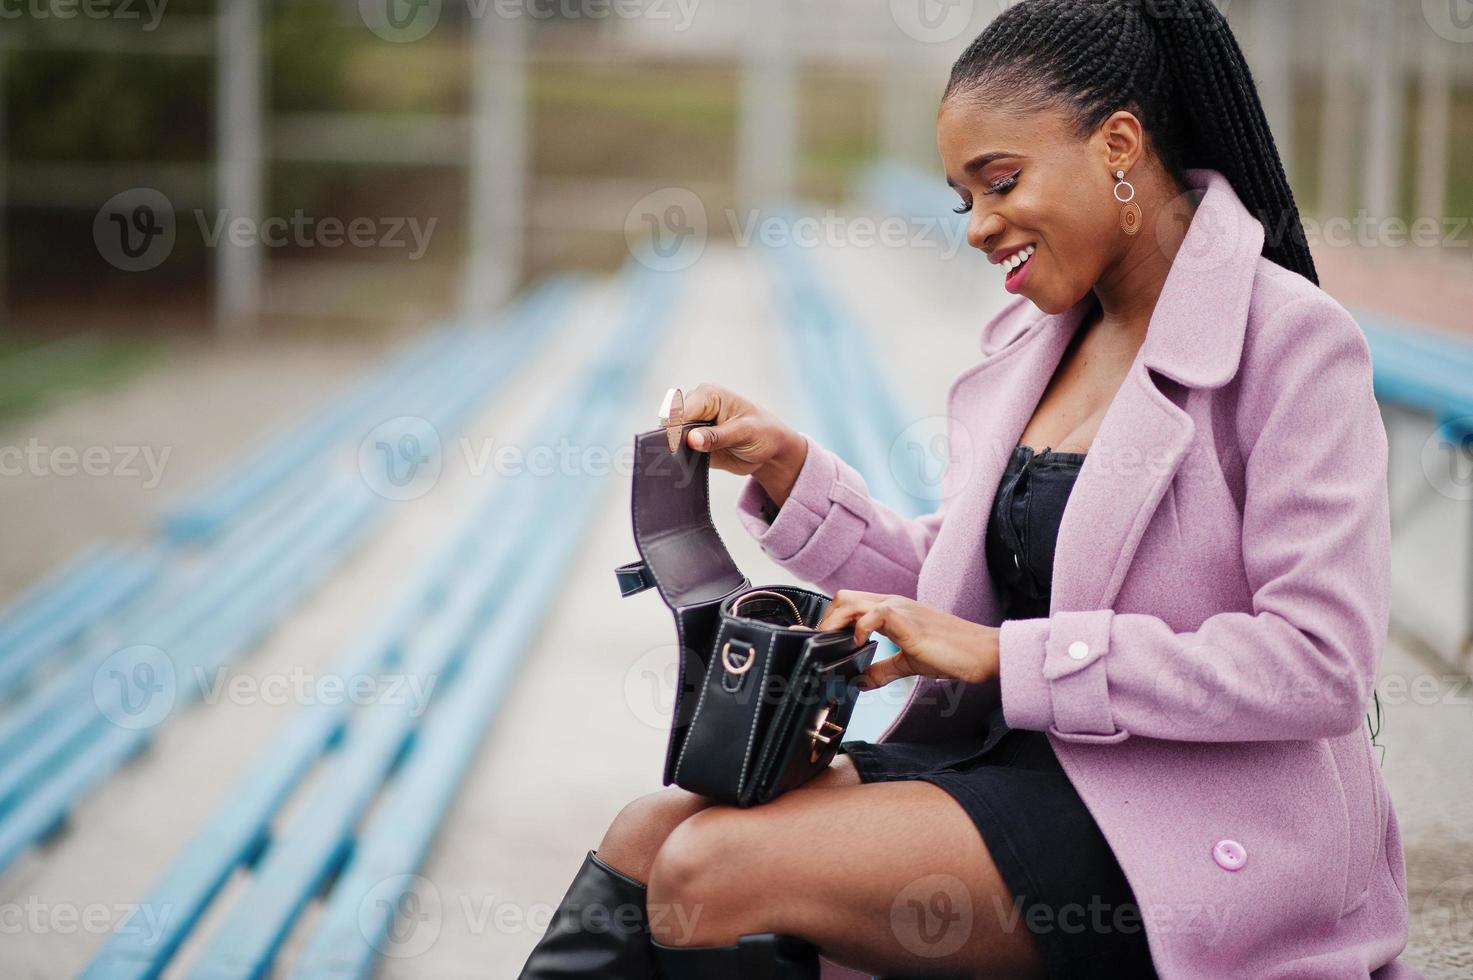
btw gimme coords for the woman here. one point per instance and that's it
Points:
(1137, 744)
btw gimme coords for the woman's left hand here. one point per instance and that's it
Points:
(932, 643)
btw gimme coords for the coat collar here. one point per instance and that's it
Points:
(1196, 332)
(1195, 337)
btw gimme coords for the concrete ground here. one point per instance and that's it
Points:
(584, 728)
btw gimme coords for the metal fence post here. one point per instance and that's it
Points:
(498, 163)
(768, 140)
(1381, 179)
(238, 179)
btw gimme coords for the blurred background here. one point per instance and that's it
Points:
(325, 326)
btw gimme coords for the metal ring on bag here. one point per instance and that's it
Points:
(726, 660)
(776, 595)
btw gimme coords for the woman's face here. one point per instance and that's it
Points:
(1031, 182)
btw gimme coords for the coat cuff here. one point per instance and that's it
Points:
(1052, 675)
(819, 526)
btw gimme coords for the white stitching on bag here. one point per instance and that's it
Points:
(705, 686)
(761, 692)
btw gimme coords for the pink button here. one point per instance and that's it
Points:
(1229, 855)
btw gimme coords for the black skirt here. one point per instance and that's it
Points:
(1068, 890)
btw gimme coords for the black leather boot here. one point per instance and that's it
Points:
(756, 956)
(600, 930)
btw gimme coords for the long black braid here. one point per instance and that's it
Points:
(1174, 63)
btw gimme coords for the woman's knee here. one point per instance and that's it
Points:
(641, 827)
(687, 876)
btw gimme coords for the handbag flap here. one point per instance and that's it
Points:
(681, 553)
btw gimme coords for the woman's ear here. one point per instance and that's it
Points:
(1122, 141)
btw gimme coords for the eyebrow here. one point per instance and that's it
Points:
(981, 160)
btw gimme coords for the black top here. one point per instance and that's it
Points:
(1022, 530)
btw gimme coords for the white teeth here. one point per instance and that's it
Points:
(1017, 258)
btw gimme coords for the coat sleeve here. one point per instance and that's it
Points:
(830, 532)
(1316, 552)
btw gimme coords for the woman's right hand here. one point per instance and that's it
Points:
(746, 439)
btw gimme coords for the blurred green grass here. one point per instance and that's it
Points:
(35, 374)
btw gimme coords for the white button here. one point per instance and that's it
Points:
(1078, 650)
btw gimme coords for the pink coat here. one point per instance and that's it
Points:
(1220, 601)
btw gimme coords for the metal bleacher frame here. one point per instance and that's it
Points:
(384, 776)
(224, 568)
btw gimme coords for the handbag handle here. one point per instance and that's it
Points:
(736, 606)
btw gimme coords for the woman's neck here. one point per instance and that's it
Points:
(1128, 290)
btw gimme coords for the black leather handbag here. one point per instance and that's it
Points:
(762, 698)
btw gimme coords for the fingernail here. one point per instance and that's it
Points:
(700, 440)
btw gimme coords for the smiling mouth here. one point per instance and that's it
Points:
(1015, 267)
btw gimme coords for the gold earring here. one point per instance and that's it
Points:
(1130, 214)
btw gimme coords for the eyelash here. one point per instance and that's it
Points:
(1000, 186)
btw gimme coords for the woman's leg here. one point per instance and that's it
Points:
(640, 828)
(887, 877)
(599, 928)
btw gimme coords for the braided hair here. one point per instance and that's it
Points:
(1173, 63)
